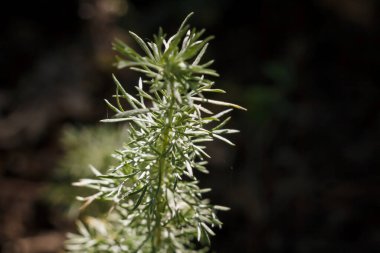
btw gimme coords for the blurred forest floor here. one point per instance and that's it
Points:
(304, 174)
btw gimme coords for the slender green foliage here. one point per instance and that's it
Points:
(82, 146)
(157, 203)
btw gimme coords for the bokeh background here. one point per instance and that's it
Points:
(304, 174)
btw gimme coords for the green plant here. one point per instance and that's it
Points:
(157, 205)
(82, 146)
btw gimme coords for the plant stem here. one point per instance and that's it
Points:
(162, 167)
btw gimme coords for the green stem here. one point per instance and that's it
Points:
(156, 240)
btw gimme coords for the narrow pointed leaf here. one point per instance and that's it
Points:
(142, 44)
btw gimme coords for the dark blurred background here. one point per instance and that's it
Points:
(304, 174)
